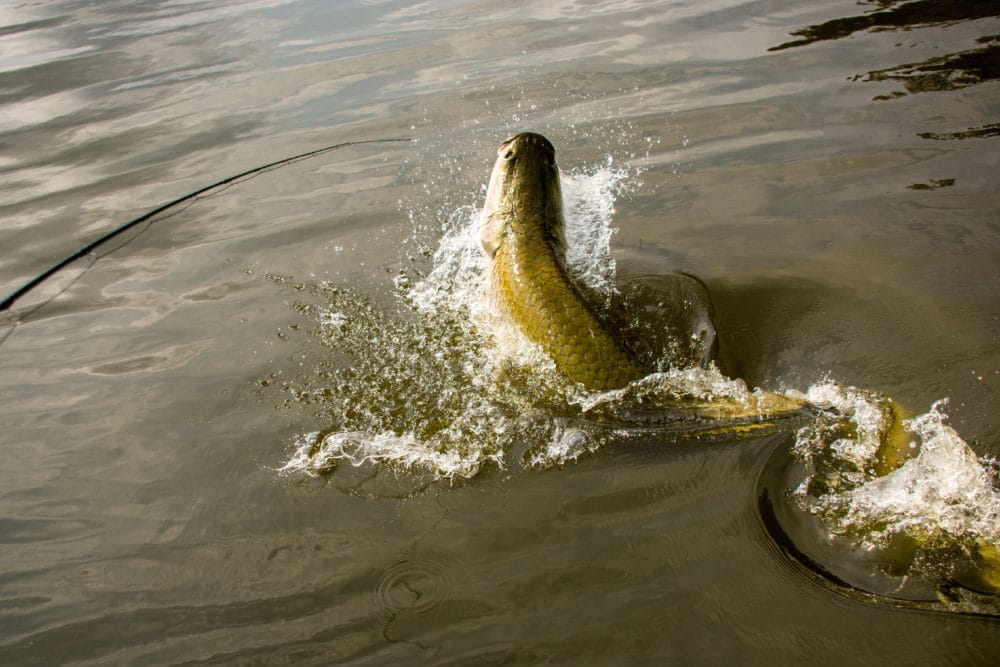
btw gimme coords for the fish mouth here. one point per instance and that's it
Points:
(524, 183)
(523, 141)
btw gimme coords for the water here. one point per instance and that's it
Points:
(837, 197)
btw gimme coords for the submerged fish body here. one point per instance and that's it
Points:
(523, 232)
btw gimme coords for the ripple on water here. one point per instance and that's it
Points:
(413, 586)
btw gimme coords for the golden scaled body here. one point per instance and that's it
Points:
(522, 230)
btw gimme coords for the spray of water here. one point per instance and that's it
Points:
(429, 380)
(879, 484)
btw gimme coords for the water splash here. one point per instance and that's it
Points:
(590, 207)
(427, 380)
(316, 453)
(936, 491)
(906, 499)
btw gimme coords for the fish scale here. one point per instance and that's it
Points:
(523, 229)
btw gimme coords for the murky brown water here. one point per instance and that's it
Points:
(828, 169)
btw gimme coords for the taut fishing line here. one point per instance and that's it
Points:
(144, 221)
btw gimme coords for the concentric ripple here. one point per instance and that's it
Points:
(412, 585)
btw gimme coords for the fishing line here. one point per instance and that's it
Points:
(148, 219)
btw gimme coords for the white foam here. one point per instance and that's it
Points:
(589, 209)
(870, 416)
(706, 384)
(459, 268)
(565, 445)
(367, 449)
(941, 497)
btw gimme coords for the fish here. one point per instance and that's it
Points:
(522, 230)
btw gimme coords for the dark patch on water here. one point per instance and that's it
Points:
(905, 16)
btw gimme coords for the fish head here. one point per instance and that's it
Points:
(524, 187)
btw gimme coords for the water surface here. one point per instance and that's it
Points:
(828, 169)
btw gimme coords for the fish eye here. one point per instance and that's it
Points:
(508, 155)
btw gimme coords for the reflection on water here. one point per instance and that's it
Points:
(990, 130)
(951, 72)
(934, 184)
(894, 15)
(938, 73)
